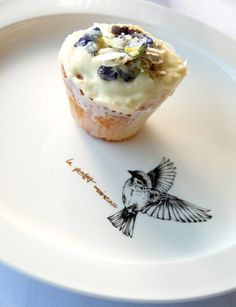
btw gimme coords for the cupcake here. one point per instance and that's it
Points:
(116, 76)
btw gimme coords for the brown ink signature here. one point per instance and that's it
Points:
(89, 179)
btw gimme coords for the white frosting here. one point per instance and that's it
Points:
(117, 95)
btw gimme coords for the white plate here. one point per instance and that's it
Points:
(53, 224)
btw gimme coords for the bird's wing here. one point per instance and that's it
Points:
(169, 207)
(162, 177)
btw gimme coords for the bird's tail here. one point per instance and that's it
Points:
(124, 220)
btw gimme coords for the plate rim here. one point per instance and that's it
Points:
(39, 9)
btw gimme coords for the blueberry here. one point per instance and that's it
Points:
(83, 40)
(126, 75)
(149, 40)
(117, 30)
(107, 73)
(92, 36)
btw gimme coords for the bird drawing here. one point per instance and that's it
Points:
(147, 193)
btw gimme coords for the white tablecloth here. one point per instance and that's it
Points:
(18, 290)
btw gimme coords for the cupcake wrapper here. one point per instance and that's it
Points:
(102, 122)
